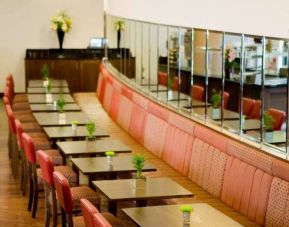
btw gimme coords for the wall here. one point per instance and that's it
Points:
(25, 24)
(258, 17)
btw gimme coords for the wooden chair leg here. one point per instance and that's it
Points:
(31, 188)
(25, 174)
(69, 220)
(47, 205)
(63, 217)
(54, 207)
(35, 193)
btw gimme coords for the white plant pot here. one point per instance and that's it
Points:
(74, 128)
(45, 83)
(109, 160)
(49, 98)
(140, 183)
(216, 113)
(62, 118)
(55, 105)
(186, 217)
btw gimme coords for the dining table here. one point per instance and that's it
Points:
(56, 119)
(53, 83)
(202, 215)
(93, 167)
(248, 125)
(53, 90)
(43, 107)
(127, 190)
(216, 114)
(48, 98)
(91, 148)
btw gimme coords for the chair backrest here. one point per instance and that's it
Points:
(248, 105)
(176, 83)
(278, 117)
(226, 99)
(63, 191)
(46, 167)
(19, 131)
(11, 118)
(163, 78)
(8, 94)
(29, 149)
(100, 221)
(256, 111)
(88, 210)
(198, 92)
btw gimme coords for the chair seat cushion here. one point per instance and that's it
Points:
(69, 174)
(37, 135)
(31, 127)
(55, 156)
(21, 106)
(78, 221)
(20, 98)
(41, 143)
(84, 192)
(114, 221)
(24, 117)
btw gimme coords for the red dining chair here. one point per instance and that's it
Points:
(248, 105)
(176, 83)
(162, 78)
(47, 168)
(15, 106)
(34, 174)
(69, 199)
(100, 221)
(88, 210)
(256, 111)
(226, 99)
(278, 116)
(198, 92)
(16, 97)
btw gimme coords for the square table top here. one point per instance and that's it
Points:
(52, 118)
(92, 147)
(170, 216)
(100, 165)
(48, 98)
(228, 114)
(66, 132)
(273, 137)
(50, 107)
(156, 188)
(54, 83)
(53, 90)
(249, 124)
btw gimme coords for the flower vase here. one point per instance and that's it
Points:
(215, 113)
(74, 128)
(186, 217)
(228, 72)
(118, 38)
(60, 35)
(109, 160)
(62, 118)
(140, 182)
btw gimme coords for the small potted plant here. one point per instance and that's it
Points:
(60, 106)
(138, 163)
(216, 101)
(119, 26)
(109, 155)
(90, 129)
(48, 87)
(268, 124)
(45, 73)
(186, 209)
(74, 126)
(230, 61)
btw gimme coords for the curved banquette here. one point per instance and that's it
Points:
(248, 180)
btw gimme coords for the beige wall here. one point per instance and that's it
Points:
(25, 24)
(259, 17)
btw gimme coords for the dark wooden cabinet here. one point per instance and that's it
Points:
(81, 75)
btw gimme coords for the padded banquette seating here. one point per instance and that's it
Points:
(246, 179)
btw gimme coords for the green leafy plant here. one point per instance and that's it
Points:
(45, 72)
(110, 153)
(138, 163)
(119, 25)
(48, 87)
(74, 122)
(90, 128)
(60, 103)
(268, 121)
(215, 98)
(186, 208)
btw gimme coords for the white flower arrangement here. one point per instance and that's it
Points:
(61, 22)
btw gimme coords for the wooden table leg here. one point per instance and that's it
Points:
(112, 207)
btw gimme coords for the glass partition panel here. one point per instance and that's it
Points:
(145, 57)
(138, 53)
(132, 49)
(275, 93)
(153, 58)
(163, 64)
